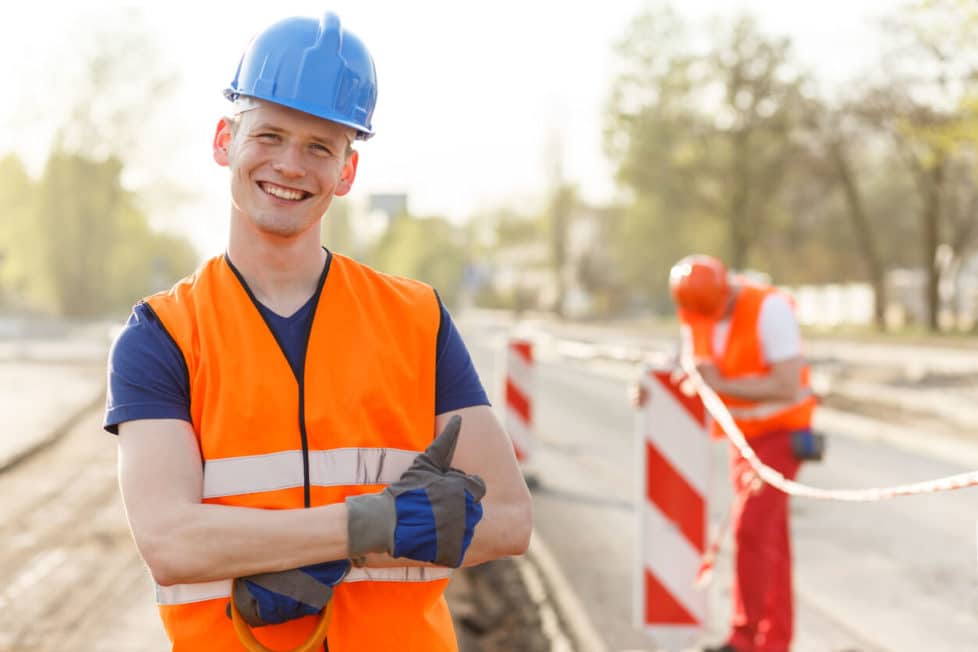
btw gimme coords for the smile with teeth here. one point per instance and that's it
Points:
(283, 193)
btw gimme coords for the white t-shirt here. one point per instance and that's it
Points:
(777, 330)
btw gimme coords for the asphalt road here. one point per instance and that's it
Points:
(894, 575)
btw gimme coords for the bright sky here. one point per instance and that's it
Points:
(472, 96)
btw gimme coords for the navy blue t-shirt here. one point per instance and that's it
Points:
(148, 378)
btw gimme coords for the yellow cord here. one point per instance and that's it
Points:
(247, 638)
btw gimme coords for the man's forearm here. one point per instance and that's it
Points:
(757, 388)
(504, 531)
(781, 383)
(203, 542)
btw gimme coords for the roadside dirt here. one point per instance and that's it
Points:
(495, 612)
(72, 578)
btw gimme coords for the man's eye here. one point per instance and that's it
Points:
(269, 138)
(320, 149)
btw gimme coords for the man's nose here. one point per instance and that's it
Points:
(289, 163)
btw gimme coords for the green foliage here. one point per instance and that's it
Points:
(513, 229)
(558, 217)
(77, 244)
(647, 239)
(702, 141)
(81, 204)
(337, 231)
(18, 237)
(144, 261)
(425, 248)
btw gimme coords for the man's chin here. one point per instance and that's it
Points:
(279, 226)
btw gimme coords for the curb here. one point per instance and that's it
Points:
(544, 580)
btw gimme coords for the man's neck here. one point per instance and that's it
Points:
(282, 273)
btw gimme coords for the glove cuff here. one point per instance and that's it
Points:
(371, 519)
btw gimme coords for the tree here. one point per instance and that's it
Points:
(754, 129)
(832, 163)
(88, 244)
(702, 141)
(558, 217)
(658, 140)
(81, 201)
(96, 247)
(923, 104)
(426, 248)
(19, 265)
(337, 231)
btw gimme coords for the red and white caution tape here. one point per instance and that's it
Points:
(719, 412)
(704, 575)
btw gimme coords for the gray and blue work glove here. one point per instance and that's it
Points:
(429, 514)
(273, 598)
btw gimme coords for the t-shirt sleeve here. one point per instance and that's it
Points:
(147, 375)
(457, 384)
(779, 332)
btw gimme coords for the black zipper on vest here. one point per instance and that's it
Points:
(299, 374)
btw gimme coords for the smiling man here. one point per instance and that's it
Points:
(277, 409)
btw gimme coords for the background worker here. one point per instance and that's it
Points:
(746, 343)
(264, 403)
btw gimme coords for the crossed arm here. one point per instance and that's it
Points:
(782, 382)
(184, 540)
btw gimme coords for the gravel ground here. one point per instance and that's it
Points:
(501, 607)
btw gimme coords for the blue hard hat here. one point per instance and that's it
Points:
(313, 66)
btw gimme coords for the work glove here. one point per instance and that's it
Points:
(429, 514)
(273, 598)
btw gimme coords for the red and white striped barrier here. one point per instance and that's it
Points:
(518, 389)
(674, 456)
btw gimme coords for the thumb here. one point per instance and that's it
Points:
(442, 449)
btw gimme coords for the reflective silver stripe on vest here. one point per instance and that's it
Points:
(768, 408)
(398, 574)
(188, 593)
(232, 476)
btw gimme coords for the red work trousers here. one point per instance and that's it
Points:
(762, 603)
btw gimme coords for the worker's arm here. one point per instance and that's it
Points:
(780, 341)
(183, 540)
(781, 383)
(484, 449)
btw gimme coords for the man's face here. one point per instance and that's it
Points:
(286, 166)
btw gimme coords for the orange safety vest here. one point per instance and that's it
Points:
(744, 356)
(364, 408)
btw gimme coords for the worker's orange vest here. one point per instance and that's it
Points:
(744, 356)
(365, 407)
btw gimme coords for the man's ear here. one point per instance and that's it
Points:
(222, 140)
(349, 174)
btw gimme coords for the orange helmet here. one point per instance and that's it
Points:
(699, 285)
